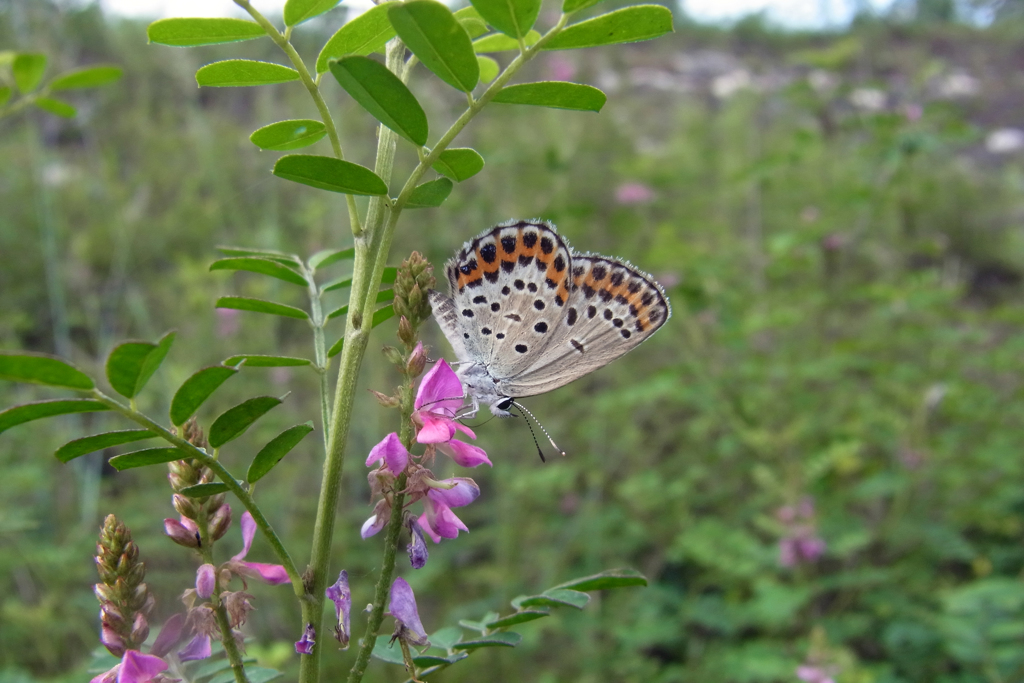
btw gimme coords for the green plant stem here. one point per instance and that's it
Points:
(320, 350)
(313, 88)
(380, 595)
(357, 332)
(220, 612)
(233, 485)
(387, 568)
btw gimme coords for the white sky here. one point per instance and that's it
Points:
(796, 13)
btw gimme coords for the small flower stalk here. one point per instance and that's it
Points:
(414, 279)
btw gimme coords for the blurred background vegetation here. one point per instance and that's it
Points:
(818, 463)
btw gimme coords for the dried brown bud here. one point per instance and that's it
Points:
(385, 400)
(393, 355)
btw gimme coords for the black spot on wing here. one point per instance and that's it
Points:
(488, 253)
(529, 239)
(508, 244)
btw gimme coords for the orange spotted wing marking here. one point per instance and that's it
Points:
(601, 280)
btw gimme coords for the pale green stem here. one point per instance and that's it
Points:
(233, 485)
(312, 86)
(320, 350)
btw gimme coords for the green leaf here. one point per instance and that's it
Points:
(272, 254)
(195, 390)
(479, 625)
(556, 597)
(383, 94)
(328, 173)
(298, 11)
(89, 77)
(285, 135)
(204, 490)
(471, 21)
(28, 69)
(488, 68)
(514, 18)
(612, 578)
(382, 315)
(459, 163)
(233, 422)
(40, 409)
(328, 257)
(500, 639)
(382, 295)
(91, 444)
(39, 368)
(446, 637)
(243, 303)
(131, 364)
(518, 618)
(5, 94)
(554, 94)
(577, 5)
(242, 72)
(497, 42)
(387, 651)
(367, 33)
(626, 25)
(429, 194)
(257, 361)
(434, 35)
(55, 106)
(192, 32)
(254, 264)
(147, 456)
(336, 348)
(276, 448)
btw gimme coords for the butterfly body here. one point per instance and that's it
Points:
(527, 315)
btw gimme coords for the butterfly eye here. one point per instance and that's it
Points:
(506, 404)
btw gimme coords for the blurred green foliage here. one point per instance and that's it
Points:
(844, 258)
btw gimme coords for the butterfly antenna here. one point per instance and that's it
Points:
(550, 440)
(539, 451)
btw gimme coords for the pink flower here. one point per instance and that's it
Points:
(184, 533)
(403, 609)
(206, 580)
(438, 520)
(134, 667)
(391, 453)
(228, 322)
(274, 574)
(438, 399)
(814, 674)
(197, 648)
(633, 193)
(560, 68)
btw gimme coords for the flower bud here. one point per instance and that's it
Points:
(220, 522)
(185, 506)
(111, 616)
(417, 361)
(206, 580)
(393, 355)
(140, 629)
(177, 532)
(112, 641)
(405, 331)
(215, 502)
(385, 400)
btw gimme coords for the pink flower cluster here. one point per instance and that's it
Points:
(800, 543)
(439, 397)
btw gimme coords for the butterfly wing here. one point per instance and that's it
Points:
(509, 289)
(448, 320)
(612, 307)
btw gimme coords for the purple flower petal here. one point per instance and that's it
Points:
(248, 532)
(139, 668)
(197, 648)
(273, 574)
(304, 645)
(342, 597)
(424, 524)
(435, 429)
(440, 391)
(463, 493)
(442, 520)
(206, 580)
(392, 452)
(417, 547)
(403, 609)
(169, 636)
(181, 534)
(464, 454)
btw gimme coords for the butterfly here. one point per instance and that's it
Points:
(527, 315)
